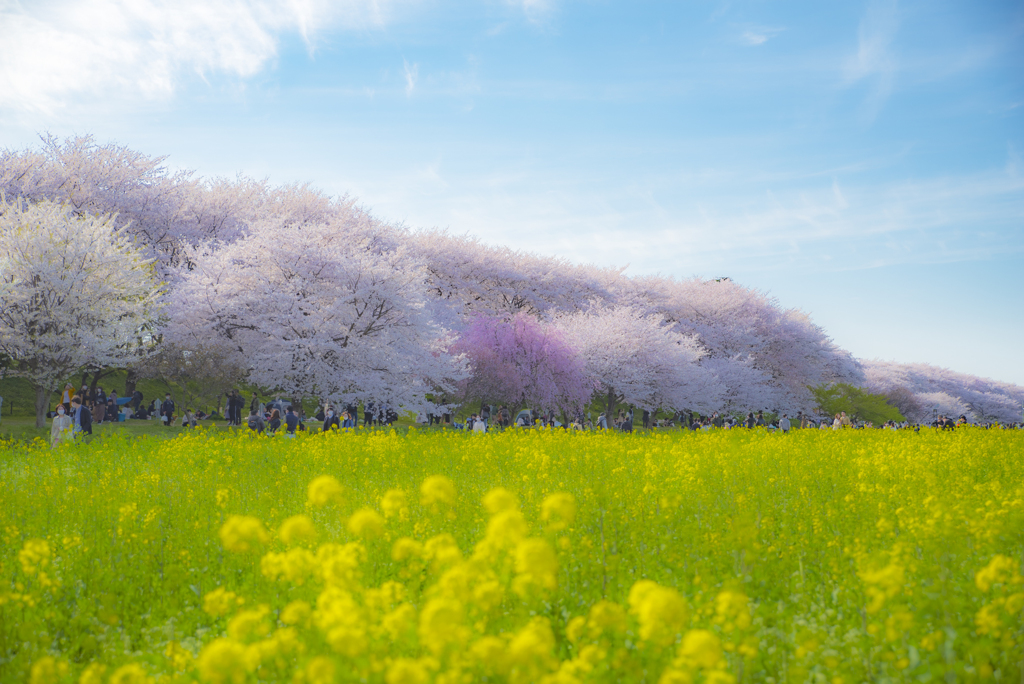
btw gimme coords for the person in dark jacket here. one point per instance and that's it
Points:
(291, 420)
(167, 410)
(275, 421)
(331, 420)
(81, 417)
(256, 423)
(760, 419)
(136, 400)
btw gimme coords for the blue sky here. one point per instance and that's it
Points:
(863, 161)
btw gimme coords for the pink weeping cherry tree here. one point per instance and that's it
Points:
(524, 362)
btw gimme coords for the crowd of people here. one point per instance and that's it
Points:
(79, 410)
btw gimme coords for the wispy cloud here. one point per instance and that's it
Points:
(55, 51)
(759, 35)
(874, 60)
(535, 10)
(811, 226)
(412, 72)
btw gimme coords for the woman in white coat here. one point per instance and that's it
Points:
(61, 430)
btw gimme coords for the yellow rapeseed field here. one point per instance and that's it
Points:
(523, 556)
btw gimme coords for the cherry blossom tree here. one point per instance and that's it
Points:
(74, 292)
(980, 398)
(524, 362)
(635, 358)
(165, 211)
(765, 356)
(334, 310)
(471, 278)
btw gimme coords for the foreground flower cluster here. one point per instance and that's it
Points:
(526, 556)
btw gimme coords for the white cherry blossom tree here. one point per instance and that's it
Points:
(74, 292)
(635, 358)
(333, 310)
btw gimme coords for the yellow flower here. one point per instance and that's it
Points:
(250, 624)
(998, 571)
(180, 658)
(437, 489)
(399, 621)
(296, 613)
(441, 623)
(500, 499)
(323, 490)
(701, 648)
(407, 671)
(320, 670)
(606, 617)
(405, 548)
(506, 528)
(674, 676)
(530, 651)
(732, 610)
(296, 565)
(131, 673)
(536, 564)
(574, 630)
(558, 510)
(442, 551)
(93, 674)
(366, 523)
(339, 564)
(223, 661)
(220, 602)
(661, 611)
(394, 504)
(882, 584)
(47, 670)
(242, 533)
(34, 556)
(298, 528)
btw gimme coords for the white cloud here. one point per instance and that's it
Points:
(53, 52)
(411, 74)
(535, 10)
(759, 35)
(808, 226)
(874, 59)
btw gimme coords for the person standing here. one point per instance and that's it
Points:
(291, 420)
(367, 413)
(784, 423)
(66, 397)
(759, 421)
(750, 419)
(100, 406)
(136, 400)
(81, 417)
(167, 410)
(62, 429)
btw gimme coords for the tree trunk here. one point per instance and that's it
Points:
(43, 395)
(130, 381)
(96, 380)
(609, 416)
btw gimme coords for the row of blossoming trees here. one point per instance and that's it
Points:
(107, 258)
